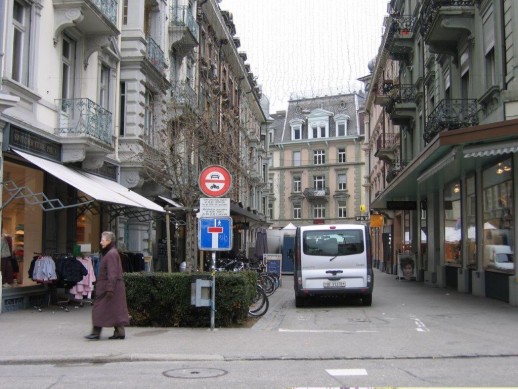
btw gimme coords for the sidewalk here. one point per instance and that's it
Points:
(56, 336)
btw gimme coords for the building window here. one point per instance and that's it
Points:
(319, 182)
(270, 210)
(296, 132)
(490, 68)
(319, 157)
(341, 155)
(297, 211)
(297, 184)
(319, 211)
(296, 158)
(68, 56)
(342, 210)
(342, 181)
(318, 131)
(125, 13)
(104, 87)
(21, 33)
(122, 116)
(271, 136)
(149, 121)
(452, 224)
(341, 121)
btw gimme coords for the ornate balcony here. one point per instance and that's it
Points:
(402, 105)
(92, 17)
(184, 29)
(451, 114)
(446, 22)
(155, 55)
(383, 89)
(182, 94)
(86, 131)
(400, 42)
(316, 194)
(394, 170)
(386, 147)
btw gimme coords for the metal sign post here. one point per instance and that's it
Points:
(213, 294)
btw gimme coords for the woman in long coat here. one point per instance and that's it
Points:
(110, 308)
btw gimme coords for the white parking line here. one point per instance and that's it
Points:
(327, 331)
(346, 372)
(420, 326)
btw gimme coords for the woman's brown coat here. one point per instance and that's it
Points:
(110, 311)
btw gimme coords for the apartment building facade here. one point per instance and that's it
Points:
(441, 112)
(88, 91)
(316, 161)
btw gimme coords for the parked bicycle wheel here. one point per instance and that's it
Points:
(260, 303)
(267, 283)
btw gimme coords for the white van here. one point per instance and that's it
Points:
(333, 260)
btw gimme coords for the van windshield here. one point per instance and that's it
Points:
(336, 242)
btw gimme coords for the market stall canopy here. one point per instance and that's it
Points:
(290, 226)
(94, 186)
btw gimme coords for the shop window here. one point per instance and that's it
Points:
(471, 223)
(498, 217)
(452, 224)
(21, 222)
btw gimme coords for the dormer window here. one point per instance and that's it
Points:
(318, 124)
(341, 121)
(296, 129)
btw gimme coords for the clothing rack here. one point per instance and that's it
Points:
(61, 271)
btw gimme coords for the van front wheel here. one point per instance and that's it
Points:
(367, 300)
(300, 301)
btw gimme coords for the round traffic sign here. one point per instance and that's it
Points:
(215, 181)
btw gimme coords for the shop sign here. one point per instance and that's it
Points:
(34, 143)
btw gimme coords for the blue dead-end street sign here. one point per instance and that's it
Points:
(215, 234)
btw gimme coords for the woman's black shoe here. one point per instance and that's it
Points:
(92, 337)
(117, 337)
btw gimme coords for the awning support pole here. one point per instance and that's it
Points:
(168, 235)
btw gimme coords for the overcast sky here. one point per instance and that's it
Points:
(307, 48)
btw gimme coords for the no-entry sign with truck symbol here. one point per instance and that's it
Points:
(215, 181)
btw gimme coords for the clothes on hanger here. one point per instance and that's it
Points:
(85, 287)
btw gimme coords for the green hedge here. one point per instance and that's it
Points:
(164, 299)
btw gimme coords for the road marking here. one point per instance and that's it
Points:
(328, 331)
(346, 372)
(420, 326)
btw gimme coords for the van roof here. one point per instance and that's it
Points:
(330, 227)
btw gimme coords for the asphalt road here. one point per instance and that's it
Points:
(412, 335)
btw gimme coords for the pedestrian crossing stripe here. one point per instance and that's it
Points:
(346, 372)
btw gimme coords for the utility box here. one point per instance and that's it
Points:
(201, 293)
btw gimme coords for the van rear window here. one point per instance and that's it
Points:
(335, 242)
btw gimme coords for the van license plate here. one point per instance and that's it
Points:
(334, 284)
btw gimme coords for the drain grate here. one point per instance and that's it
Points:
(191, 373)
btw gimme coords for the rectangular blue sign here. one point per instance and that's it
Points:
(215, 234)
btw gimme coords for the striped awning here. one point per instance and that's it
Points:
(490, 149)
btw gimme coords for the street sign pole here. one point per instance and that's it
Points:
(213, 294)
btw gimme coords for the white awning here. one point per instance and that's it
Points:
(96, 187)
(171, 201)
(490, 149)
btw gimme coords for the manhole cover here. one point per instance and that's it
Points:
(194, 373)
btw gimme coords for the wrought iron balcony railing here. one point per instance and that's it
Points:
(451, 114)
(311, 193)
(386, 141)
(402, 93)
(403, 26)
(182, 93)
(84, 117)
(431, 7)
(108, 8)
(182, 16)
(155, 55)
